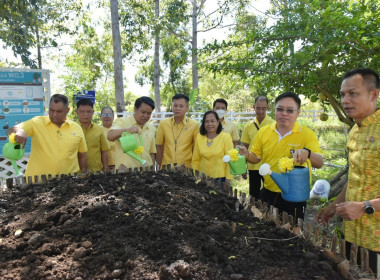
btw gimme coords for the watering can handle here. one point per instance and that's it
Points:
(127, 133)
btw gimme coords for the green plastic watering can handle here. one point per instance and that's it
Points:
(127, 133)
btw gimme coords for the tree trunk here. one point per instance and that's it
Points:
(118, 64)
(39, 57)
(194, 49)
(157, 59)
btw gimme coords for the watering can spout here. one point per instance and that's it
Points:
(136, 157)
(281, 180)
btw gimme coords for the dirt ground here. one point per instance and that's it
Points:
(150, 225)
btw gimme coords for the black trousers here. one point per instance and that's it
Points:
(296, 209)
(255, 180)
(373, 256)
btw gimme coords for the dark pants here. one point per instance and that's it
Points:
(296, 209)
(255, 180)
(373, 256)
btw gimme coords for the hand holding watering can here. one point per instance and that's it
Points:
(130, 145)
(13, 151)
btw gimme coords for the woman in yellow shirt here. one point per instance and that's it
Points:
(211, 145)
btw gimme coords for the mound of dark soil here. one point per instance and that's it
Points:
(150, 225)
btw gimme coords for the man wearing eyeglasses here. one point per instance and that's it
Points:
(107, 117)
(284, 138)
(96, 140)
(249, 133)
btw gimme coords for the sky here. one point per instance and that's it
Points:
(258, 6)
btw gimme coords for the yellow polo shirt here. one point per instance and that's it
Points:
(178, 140)
(111, 152)
(230, 128)
(268, 146)
(363, 147)
(54, 149)
(249, 133)
(209, 159)
(149, 143)
(97, 142)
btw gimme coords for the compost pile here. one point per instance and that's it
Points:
(148, 225)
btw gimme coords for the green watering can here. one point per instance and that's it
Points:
(129, 143)
(237, 167)
(13, 152)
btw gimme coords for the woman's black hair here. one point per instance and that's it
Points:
(202, 129)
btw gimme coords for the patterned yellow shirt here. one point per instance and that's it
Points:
(149, 143)
(270, 149)
(54, 149)
(97, 142)
(249, 133)
(230, 128)
(111, 152)
(363, 147)
(178, 140)
(208, 159)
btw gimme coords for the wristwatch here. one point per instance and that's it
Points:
(368, 208)
(308, 151)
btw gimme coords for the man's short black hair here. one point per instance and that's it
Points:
(370, 77)
(202, 129)
(56, 98)
(291, 95)
(179, 96)
(220, 100)
(144, 99)
(262, 98)
(84, 102)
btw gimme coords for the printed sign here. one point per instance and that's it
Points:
(90, 94)
(21, 98)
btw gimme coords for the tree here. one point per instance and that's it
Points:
(36, 24)
(306, 50)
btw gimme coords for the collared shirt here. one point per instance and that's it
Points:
(97, 142)
(249, 133)
(268, 146)
(178, 140)
(208, 159)
(54, 149)
(111, 152)
(363, 147)
(149, 143)
(230, 128)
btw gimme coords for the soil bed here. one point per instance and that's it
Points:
(150, 225)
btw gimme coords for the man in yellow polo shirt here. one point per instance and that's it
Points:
(249, 133)
(58, 145)
(176, 136)
(136, 124)
(284, 138)
(107, 117)
(359, 202)
(220, 107)
(96, 139)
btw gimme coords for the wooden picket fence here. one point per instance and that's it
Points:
(333, 248)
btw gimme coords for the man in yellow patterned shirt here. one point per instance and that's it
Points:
(136, 124)
(284, 138)
(96, 139)
(249, 133)
(220, 107)
(58, 144)
(107, 117)
(359, 202)
(175, 137)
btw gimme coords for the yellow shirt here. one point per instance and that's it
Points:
(178, 140)
(249, 133)
(149, 143)
(363, 147)
(209, 159)
(111, 152)
(97, 142)
(230, 128)
(54, 149)
(268, 146)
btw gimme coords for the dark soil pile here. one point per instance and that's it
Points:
(150, 225)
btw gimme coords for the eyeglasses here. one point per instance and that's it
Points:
(287, 110)
(107, 115)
